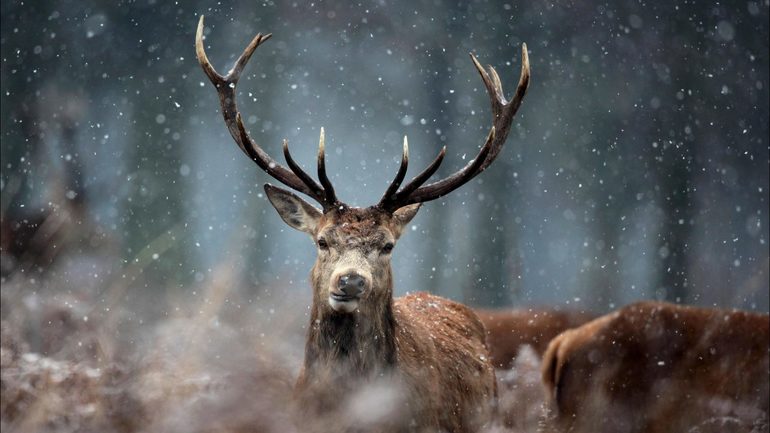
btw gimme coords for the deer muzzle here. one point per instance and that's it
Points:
(347, 288)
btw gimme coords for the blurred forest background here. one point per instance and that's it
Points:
(637, 166)
(148, 285)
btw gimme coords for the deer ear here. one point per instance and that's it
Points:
(405, 214)
(296, 212)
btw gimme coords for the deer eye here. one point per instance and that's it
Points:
(322, 244)
(387, 248)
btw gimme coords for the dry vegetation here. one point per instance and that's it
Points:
(215, 361)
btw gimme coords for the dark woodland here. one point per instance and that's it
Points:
(148, 285)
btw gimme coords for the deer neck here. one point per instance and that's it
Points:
(353, 345)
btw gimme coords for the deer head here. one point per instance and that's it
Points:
(352, 270)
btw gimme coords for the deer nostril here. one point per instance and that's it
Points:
(352, 284)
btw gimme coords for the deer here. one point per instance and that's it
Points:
(517, 339)
(430, 349)
(657, 367)
(509, 330)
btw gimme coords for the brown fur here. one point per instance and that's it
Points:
(430, 351)
(509, 330)
(655, 367)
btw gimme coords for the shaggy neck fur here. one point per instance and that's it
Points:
(351, 345)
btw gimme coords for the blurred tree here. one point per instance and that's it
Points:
(255, 221)
(436, 246)
(676, 144)
(661, 105)
(155, 204)
(24, 67)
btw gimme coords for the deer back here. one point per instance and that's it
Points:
(658, 367)
(509, 330)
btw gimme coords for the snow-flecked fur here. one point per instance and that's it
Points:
(509, 330)
(655, 367)
(426, 353)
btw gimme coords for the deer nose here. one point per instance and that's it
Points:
(352, 284)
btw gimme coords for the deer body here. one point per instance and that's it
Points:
(509, 330)
(426, 353)
(407, 357)
(430, 350)
(655, 367)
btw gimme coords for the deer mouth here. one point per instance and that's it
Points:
(343, 303)
(340, 297)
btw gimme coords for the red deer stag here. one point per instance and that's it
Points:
(509, 330)
(654, 367)
(432, 348)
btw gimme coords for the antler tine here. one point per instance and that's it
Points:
(265, 162)
(521, 88)
(235, 73)
(495, 97)
(399, 175)
(399, 199)
(225, 86)
(503, 121)
(474, 167)
(203, 59)
(498, 85)
(502, 117)
(309, 181)
(330, 197)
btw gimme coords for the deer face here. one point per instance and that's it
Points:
(354, 248)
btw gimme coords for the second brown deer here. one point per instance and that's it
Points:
(430, 350)
(654, 367)
(508, 331)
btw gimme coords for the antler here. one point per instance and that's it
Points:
(502, 115)
(295, 178)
